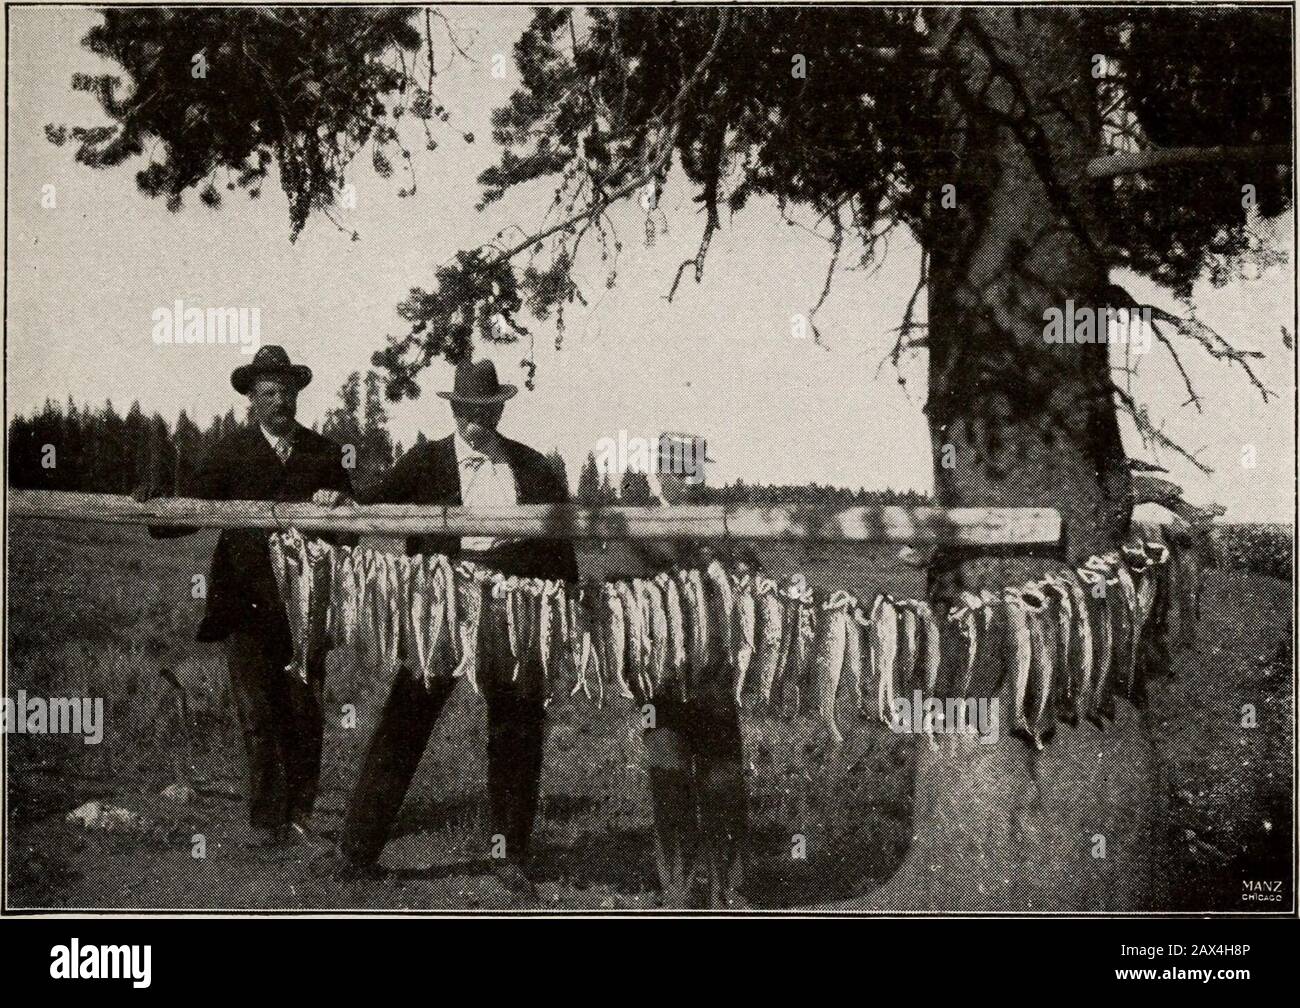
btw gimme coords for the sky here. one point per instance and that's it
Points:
(86, 276)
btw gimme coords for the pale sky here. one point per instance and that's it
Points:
(86, 276)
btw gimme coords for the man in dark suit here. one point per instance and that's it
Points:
(474, 466)
(273, 458)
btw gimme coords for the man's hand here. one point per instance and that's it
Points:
(332, 498)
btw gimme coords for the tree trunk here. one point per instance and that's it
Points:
(1019, 421)
(1016, 420)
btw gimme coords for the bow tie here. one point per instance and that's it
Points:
(473, 461)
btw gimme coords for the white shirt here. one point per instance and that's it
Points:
(486, 480)
(282, 446)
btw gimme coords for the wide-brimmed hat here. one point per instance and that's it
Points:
(476, 384)
(269, 362)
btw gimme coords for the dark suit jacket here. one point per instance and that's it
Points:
(241, 589)
(427, 474)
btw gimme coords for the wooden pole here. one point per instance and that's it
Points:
(903, 526)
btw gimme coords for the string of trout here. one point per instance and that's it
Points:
(1068, 642)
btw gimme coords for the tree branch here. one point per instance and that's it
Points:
(658, 164)
(1133, 162)
(1150, 432)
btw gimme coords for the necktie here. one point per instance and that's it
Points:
(472, 462)
(283, 448)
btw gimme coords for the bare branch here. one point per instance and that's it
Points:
(908, 325)
(1192, 398)
(1153, 434)
(1133, 162)
(1192, 328)
(837, 243)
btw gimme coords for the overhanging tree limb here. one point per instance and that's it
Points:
(1134, 162)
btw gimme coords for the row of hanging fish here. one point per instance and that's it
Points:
(678, 634)
(1065, 645)
(1069, 641)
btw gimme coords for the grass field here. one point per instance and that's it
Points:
(103, 611)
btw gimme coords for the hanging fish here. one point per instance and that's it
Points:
(503, 593)
(302, 624)
(320, 590)
(1019, 656)
(641, 588)
(722, 617)
(781, 689)
(1125, 610)
(377, 611)
(397, 601)
(853, 656)
(333, 631)
(743, 630)
(676, 655)
(361, 588)
(535, 657)
(1081, 645)
(347, 582)
(634, 635)
(580, 644)
(831, 645)
(698, 619)
(1142, 564)
(992, 647)
(928, 648)
(883, 640)
(931, 643)
(555, 619)
(467, 597)
(437, 630)
(1115, 615)
(1103, 643)
(788, 664)
(614, 641)
(659, 635)
(808, 652)
(563, 662)
(521, 602)
(570, 640)
(909, 644)
(1061, 630)
(545, 631)
(416, 630)
(966, 617)
(771, 619)
(589, 609)
(275, 546)
(690, 632)
(1131, 639)
(1042, 634)
(446, 576)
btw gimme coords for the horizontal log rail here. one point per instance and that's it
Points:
(910, 526)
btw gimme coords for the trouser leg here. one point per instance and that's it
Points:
(516, 733)
(258, 688)
(394, 752)
(669, 767)
(720, 784)
(303, 740)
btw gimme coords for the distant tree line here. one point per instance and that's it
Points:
(98, 450)
(101, 451)
(596, 488)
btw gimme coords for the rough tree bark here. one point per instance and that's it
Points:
(1017, 421)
